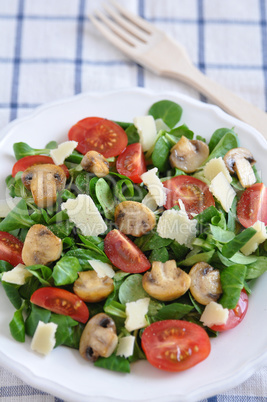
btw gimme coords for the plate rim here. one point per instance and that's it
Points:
(52, 387)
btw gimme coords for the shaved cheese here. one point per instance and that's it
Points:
(146, 128)
(135, 314)
(176, 225)
(102, 268)
(126, 346)
(83, 212)
(223, 191)
(215, 166)
(154, 185)
(44, 339)
(257, 239)
(17, 275)
(63, 151)
(214, 314)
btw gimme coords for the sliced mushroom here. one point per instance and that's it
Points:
(166, 281)
(44, 181)
(205, 283)
(96, 163)
(91, 288)
(240, 161)
(134, 218)
(41, 246)
(188, 155)
(99, 338)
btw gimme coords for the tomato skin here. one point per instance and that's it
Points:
(236, 315)
(10, 249)
(131, 162)
(194, 193)
(175, 345)
(98, 134)
(252, 205)
(23, 163)
(124, 254)
(61, 301)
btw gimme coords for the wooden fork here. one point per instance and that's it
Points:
(154, 49)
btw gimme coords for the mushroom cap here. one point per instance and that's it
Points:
(134, 218)
(205, 283)
(41, 246)
(91, 288)
(231, 157)
(48, 171)
(96, 163)
(166, 281)
(188, 155)
(99, 337)
(44, 181)
(240, 161)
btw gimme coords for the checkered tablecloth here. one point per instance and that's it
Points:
(49, 50)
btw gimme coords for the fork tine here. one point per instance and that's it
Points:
(126, 24)
(135, 19)
(124, 35)
(110, 36)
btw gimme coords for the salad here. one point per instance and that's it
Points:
(133, 240)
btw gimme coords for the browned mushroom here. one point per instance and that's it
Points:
(44, 181)
(134, 218)
(99, 338)
(240, 161)
(166, 281)
(188, 155)
(41, 246)
(92, 289)
(96, 163)
(205, 283)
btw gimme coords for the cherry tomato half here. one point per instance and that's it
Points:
(124, 254)
(131, 162)
(252, 205)
(236, 315)
(23, 163)
(61, 301)
(194, 193)
(10, 249)
(175, 345)
(98, 134)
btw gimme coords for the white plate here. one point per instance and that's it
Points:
(235, 354)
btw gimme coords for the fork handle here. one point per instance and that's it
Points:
(222, 97)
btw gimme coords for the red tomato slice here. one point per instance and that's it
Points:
(23, 163)
(252, 205)
(131, 162)
(61, 301)
(124, 254)
(175, 345)
(10, 249)
(194, 193)
(236, 315)
(98, 134)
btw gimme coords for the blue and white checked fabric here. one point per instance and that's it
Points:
(49, 50)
